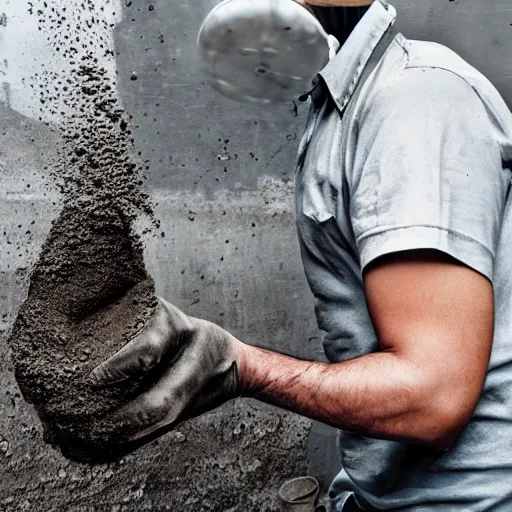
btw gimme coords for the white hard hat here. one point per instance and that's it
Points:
(262, 51)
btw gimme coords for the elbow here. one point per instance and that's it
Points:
(441, 407)
(445, 420)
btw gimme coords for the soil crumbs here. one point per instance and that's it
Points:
(89, 292)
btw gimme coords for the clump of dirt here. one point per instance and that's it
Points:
(89, 292)
(89, 295)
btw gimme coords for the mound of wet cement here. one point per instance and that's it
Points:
(89, 294)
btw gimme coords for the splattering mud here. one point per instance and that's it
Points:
(89, 292)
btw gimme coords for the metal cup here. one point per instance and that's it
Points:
(299, 494)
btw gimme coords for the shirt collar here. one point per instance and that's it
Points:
(342, 73)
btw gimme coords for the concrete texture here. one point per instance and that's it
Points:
(221, 175)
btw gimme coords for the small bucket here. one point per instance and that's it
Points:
(299, 494)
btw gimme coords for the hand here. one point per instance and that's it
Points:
(195, 368)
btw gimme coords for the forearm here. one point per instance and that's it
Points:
(379, 395)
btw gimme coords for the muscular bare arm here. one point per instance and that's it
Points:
(434, 321)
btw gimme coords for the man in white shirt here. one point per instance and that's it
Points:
(405, 225)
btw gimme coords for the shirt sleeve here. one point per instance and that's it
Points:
(427, 171)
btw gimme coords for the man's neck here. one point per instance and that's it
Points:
(338, 20)
(337, 3)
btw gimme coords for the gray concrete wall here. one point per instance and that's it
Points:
(221, 176)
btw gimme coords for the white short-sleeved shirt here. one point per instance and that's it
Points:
(421, 158)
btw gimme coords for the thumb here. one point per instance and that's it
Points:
(143, 353)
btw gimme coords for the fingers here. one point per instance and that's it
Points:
(164, 333)
(165, 403)
(177, 318)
